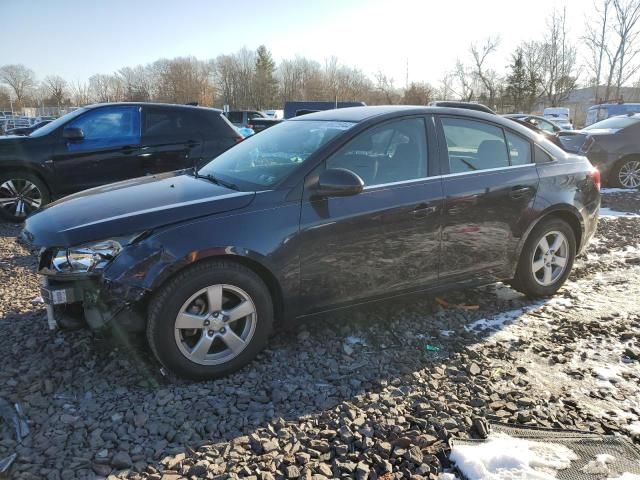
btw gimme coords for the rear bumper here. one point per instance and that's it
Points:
(590, 215)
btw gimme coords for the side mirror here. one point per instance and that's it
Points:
(73, 134)
(338, 182)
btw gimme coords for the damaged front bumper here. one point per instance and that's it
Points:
(101, 303)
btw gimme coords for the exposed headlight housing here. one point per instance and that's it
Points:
(88, 258)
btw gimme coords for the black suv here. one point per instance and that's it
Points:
(102, 144)
(324, 211)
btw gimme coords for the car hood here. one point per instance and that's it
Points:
(128, 208)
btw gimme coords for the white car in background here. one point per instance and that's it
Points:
(559, 116)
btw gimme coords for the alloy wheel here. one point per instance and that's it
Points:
(629, 174)
(215, 324)
(550, 258)
(19, 197)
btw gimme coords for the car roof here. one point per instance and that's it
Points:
(154, 104)
(361, 114)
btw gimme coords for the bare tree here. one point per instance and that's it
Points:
(80, 93)
(487, 77)
(597, 27)
(464, 77)
(56, 87)
(384, 85)
(19, 79)
(627, 15)
(418, 93)
(558, 69)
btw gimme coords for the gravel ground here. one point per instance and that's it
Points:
(372, 393)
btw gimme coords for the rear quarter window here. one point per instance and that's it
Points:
(541, 156)
(218, 125)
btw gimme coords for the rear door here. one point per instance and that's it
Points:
(385, 239)
(490, 183)
(171, 139)
(108, 153)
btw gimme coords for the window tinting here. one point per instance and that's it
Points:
(519, 149)
(474, 145)
(393, 152)
(107, 127)
(235, 117)
(162, 123)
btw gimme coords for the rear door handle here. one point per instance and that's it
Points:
(423, 210)
(519, 192)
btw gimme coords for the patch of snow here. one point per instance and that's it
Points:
(633, 428)
(599, 465)
(608, 213)
(619, 190)
(446, 333)
(37, 301)
(353, 340)
(504, 457)
(447, 476)
(608, 373)
(626, 476)
(500, 319)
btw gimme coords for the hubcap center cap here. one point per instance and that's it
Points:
(215, 323)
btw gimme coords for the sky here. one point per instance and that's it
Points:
(77, 38)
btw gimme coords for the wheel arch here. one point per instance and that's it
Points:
(22, 167)
(265, 274)
(568, 213)
(618, 163)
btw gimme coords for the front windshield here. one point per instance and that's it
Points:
(615, 123)
(263, 160)
(50, 127)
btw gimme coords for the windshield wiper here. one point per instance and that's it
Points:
(213, 179)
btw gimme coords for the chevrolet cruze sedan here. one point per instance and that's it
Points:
(324, 211)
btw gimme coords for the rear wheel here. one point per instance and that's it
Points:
(21, 193)
(210, 320)
(626, 174)
(546, 259)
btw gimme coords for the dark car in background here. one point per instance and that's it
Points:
(102, 144)
(324, 211)
(613, 145)
(27, 130)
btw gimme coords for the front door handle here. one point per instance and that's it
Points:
(519, 192)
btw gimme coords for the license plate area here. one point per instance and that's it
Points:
(57, 296)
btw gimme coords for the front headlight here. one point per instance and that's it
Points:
(88, 258)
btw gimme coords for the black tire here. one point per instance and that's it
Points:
(19, 179)
(525, 280)
(614, 175)
(167, 302)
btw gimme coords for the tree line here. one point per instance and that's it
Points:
(540, 71)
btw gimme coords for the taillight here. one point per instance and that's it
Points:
(588, 143)
(239, 139)
(594, 173)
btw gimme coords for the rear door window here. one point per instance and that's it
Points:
(169, 124)
(474, 145)
(519, 149)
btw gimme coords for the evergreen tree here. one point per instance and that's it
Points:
(518, 82)
(265, 82)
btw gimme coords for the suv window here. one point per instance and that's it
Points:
(168, 122)
(519, 149)
(235, 117)
(393, 152)
(474, 145)
(107, 127)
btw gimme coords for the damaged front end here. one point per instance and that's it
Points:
(74, 288)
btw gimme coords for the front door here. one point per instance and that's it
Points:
(107, 153)
(383, 240)
(171, 140)
(490, 185)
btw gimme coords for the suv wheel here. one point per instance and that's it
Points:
(210, 320)
(626, 174)
(546, 259)
(21, 193)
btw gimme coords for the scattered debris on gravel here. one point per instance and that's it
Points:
(368, 393)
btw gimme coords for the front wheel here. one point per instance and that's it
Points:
(21, 193)
(210, 320)
(626, 174)
(546, 259)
